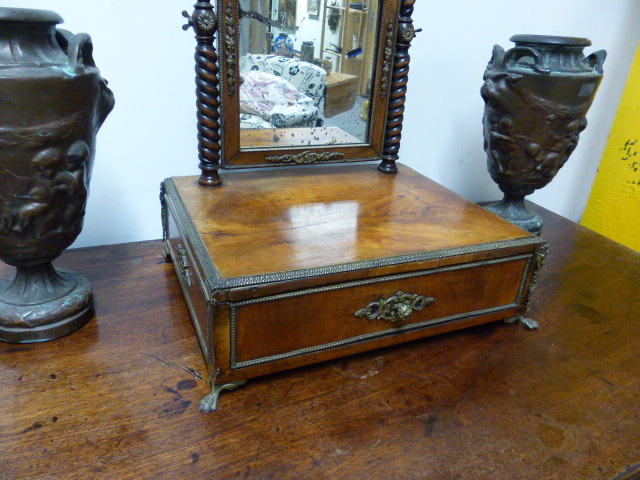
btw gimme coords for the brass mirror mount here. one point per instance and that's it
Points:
(205, 25)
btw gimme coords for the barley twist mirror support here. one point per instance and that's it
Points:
(405, 34)
(284, 84)
(204, 22)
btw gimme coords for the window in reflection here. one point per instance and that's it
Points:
(306, 70)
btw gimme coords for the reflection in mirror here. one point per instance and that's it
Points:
(306, 69)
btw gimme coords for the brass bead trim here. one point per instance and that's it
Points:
(387, 62)
(230, 43)
(306, 157)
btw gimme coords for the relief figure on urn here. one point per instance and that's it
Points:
(52, 202)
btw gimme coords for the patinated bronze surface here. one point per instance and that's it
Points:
(52, 103)
(537, 95)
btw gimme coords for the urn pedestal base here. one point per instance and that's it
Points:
(514, 210)
(41, 304)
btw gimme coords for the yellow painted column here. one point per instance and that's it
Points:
(613, 208)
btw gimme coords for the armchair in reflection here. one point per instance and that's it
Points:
(279, 92)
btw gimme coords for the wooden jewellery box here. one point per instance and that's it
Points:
(305, 265)
(322, 255)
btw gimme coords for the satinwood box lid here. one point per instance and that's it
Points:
(298, 224)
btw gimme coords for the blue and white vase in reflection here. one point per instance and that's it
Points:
(283, 45)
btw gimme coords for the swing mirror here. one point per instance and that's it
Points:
(300, 82)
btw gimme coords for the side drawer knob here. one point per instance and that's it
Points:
(184, 266)
(397, 307)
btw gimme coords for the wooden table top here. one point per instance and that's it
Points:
(119, 398)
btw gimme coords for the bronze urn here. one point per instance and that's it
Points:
(536, 96)
(52, 103)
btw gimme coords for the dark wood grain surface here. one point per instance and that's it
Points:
(119, 398)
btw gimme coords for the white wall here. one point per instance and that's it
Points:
(148, 61)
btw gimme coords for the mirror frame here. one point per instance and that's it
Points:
(217, 102)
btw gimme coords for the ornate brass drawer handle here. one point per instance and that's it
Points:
(397, 307)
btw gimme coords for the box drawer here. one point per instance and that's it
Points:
(189, 272)
(277, 327)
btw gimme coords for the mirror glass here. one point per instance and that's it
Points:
(306, 72)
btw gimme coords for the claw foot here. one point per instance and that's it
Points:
(210, 402)
(525, 322)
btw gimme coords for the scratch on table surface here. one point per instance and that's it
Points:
(611, 384)
(272, 407)
(311, 400)
(326, 440)
(256, 456)
(184, 368)
(254, 460)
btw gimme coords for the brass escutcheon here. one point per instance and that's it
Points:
(397, 307)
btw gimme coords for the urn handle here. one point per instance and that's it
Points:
(78, 48)
(516, 53)
(79, 51)
(596, 60)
